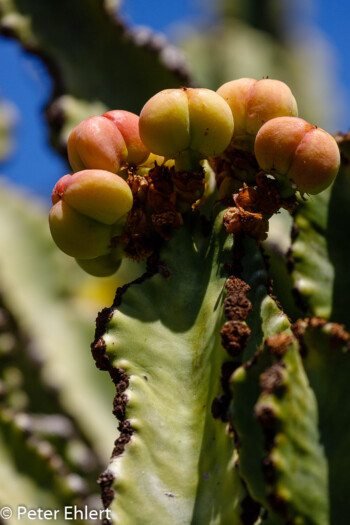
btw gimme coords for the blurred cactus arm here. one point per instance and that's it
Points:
(96, 62)
(8, 117)
(282, 423)
(325, 347)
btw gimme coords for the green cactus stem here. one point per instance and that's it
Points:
(325, 349)
(274, 414)
(161, 345)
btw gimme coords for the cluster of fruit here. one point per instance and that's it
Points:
(134, 176)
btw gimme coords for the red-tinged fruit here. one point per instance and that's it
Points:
(316, 162)
(98, 194)
(58, 191)
(106, 142)
(78, 235)
(128, 125)
(236, 94)
(96, 143)
(305, 154)
(276, 142)
(177, 121)
(254, 102)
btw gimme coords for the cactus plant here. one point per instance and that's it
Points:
(228, 354)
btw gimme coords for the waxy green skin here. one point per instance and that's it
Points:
(106, 142)
(187, 483)
(254, 102)
(298, 468)
(171, 350)
(176, 122)
(102, 266)
(305, 154)
(78, 235)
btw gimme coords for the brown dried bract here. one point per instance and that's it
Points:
(159, 196)
(165, 222)
(107, 493)
(247, 198)
(235, 164)
(236, 308)
(158, 201)
(237, 220)
(119, 405)
(254, 206)
(269, 199)
(278, 344)
(298, 328)
(265, 415)
(137, 235)
(338, 333)
(139, 248)
(188, 186)
(272, 379)
(139, 186)
(236, 286)
(235, 332)
(126, 432)
(234, 337)
(316, 322)
(236, 305)
(161, 178)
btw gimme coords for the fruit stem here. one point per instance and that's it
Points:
(286, 187)
(188, 161)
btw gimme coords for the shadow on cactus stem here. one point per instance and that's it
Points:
(337, 237)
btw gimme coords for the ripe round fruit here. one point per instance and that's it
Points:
(254, 102)
(106, 142)
(98, 194)
(175, 121)
(96, 143)
(305, 154)
(128, 125)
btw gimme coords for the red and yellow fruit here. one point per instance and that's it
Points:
(88, 205)
(305, 154)
(186, 121)
(106, 142)
(254, 102)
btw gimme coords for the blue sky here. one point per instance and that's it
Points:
(24, 82)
